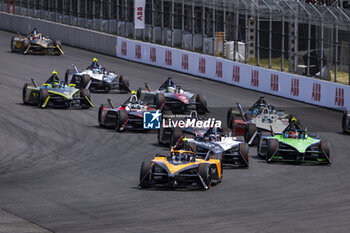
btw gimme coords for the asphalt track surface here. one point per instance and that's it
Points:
(59, 170)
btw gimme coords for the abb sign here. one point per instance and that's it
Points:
(316, 92)
(153, 54)
(184, 63)
(274, 83)
(139, 14)
(138, 51)
(294, 87)
(255, 78)
(201, 65)
(168, 58)
(339, 97)
(124, 49)
(218, 72)
(235, 73)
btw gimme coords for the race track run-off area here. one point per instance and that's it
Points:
(61, 171)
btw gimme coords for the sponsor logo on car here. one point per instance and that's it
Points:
(151, 120)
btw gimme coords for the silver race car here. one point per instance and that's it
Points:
(101, 79)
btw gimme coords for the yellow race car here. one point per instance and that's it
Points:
(182, 168)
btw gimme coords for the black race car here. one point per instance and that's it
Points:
(346, 122)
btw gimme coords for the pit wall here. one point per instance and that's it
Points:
(296, 87)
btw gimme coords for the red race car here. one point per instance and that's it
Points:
(127, 116)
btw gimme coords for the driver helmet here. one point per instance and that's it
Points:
(293, 134)
(171, 89)
(54, 78)
(135, 106)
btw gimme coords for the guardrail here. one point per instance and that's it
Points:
(296, 87)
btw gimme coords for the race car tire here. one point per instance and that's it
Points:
(100, 109)
(25, 44)
(24, 93)
(326, 148)
(272, 146)
(58, 43)
(230, 118)
(250, 131)
(12, 44)
(145, 171)
(176, 136)
(85, 93)
(204, 172)
(201, 103)
(244, 152)
(84, 81)
(345, 122)
(123, 83)
(160, 100)
(120, 119)
(43, 94)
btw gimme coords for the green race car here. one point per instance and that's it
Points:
(294, 145)
(55, 92)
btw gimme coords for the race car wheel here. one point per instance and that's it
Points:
(145, 171)
(43, 94)
(85, 93)
(85, 79)
(24, 93)
(244, 152)
(272, 146)
(13, 44)
(160, 100)
(25, 44)
(325, 147)
(123, 83)
(100, 115)
(176, 136)
(345, 122)
(249, 131)
(201, 101)
(230, 118)
(120, 120)
(204, 172)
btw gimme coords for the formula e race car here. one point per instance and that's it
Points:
(257, 121)
(101, 79)
(294, 145)
(35, 43)
(127, 116)
(55, 92)
(181, 169)
(233, 150)
(176, 99)
(346, 122)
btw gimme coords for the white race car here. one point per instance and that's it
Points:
(101, 80)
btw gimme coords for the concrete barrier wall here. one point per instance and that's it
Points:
(297, 87)
(70, 35)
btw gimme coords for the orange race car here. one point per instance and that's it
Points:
(181, 168)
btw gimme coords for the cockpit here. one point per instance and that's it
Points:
(182, 156)
(132, 103)
(294, 131)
